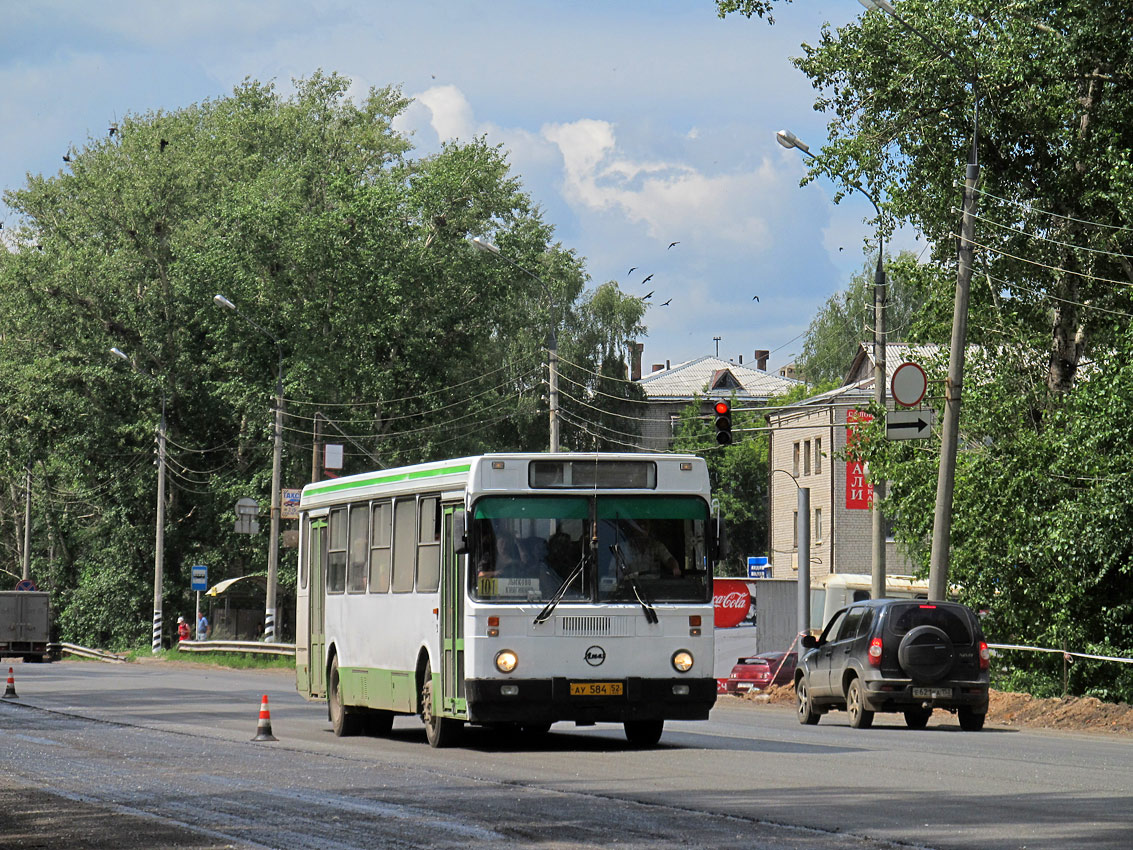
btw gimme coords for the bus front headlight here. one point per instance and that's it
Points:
(682, 660)
(506, 660)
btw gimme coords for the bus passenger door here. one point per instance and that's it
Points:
(452, 620)
(316, 634)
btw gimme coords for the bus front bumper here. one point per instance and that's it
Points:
(588, 701)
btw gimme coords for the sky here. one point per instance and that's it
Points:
(632, 124)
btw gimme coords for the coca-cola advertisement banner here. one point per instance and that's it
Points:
(730, 601)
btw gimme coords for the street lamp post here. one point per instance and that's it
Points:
(802, 535)
(159, 541)
(950, 430)
(552, 341)
(877, 558)
(276, 464)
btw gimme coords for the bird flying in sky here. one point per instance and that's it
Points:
(650, 295)
(648, 279)
(671, 244)
(667, 303)
(755, 298)
(631, 271)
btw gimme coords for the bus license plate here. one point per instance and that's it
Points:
(932, 693)
(595, 689)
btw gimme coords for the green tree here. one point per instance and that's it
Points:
(1044, 390)
(846, 320)
(310, 213)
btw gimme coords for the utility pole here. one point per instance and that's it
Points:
(315, 447)
(159, 534)
(946, 478)
(273, 540)
(553, 384)
(27, 525)
(877, 578)
(159, 538)
(804, 562)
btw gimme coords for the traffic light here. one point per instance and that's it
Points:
(723, 423)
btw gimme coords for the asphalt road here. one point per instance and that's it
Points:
(153, 755)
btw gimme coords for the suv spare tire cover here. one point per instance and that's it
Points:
(926, 653)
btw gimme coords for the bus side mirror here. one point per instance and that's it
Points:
(459, 533)
(718, 545)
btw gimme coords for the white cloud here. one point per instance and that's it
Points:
(667, 197)
(451, 113)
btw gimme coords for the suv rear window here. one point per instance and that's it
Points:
(949, 620)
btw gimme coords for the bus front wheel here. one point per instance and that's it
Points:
(441, 731)
(644, 733)
(343, 721)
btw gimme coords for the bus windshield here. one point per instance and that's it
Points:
(613, 548)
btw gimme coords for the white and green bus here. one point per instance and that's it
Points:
(509, 590)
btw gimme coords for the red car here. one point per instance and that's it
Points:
(755, 672)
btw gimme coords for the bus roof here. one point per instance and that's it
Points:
(460, 473)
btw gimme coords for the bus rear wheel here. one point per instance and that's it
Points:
(644, 733)
(441, 731)
(342, 719)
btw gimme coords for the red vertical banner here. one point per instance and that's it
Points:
(859, 492)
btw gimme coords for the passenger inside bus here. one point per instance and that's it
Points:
(645, 555)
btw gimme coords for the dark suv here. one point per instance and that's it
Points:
(893, 655)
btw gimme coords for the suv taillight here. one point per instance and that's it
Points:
(985, 655)
(875, 652)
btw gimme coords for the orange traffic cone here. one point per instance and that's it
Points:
(10, 691)
(263, 727)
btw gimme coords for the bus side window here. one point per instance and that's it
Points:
(380, 547)
(429, 545)
(304, 555)
(359, 538)
(336, 551)
(404, 543)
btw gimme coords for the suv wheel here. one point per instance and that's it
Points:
(807, 715)
(969, 720)
(860, 716)
(926, 653)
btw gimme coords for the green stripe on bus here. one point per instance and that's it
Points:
(390, 479)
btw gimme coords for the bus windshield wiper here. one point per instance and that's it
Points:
(557, 597)
(650, 613)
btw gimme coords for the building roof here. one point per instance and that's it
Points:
(896, 353)
(712, 376)
(859, 382)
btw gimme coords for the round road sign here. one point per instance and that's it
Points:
(26, 584)
(909, 384)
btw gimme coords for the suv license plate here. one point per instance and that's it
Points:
(932, 693)
(595, 689)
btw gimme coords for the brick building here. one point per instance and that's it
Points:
(806, 440)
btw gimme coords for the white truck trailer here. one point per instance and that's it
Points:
(25, 624)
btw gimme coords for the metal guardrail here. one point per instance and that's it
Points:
(253, 647)
(1060, 652)
(87, 652)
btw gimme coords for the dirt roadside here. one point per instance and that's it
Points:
(1075, 714)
